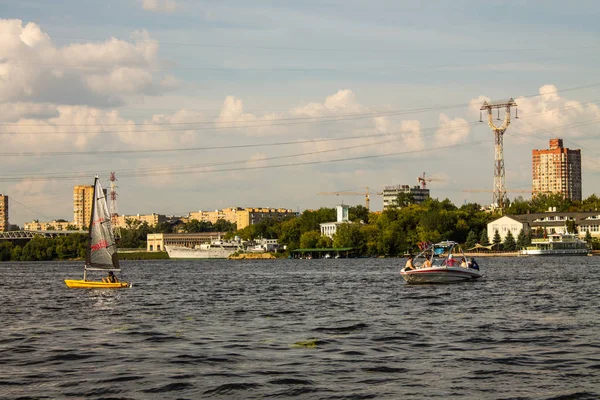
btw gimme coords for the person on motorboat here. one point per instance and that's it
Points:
(473, 264)
(450, 261)
(111, 278)
(409, 263)
(463, 263)
(427, 262)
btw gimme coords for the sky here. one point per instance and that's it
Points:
(203, 105)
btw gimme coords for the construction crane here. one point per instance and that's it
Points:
(367, 195)
(422, 180)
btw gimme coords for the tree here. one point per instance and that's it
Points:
(5, 250)
(310, 239)
(588, 238)
(471, 240)
(483, 238)
(358, 213)
(522, 239)
(497, 240)
(572, 227)
(404, 199)
(509, 242)
(349, 235)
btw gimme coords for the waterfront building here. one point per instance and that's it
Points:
(329, 229)
(242, 217)
(157, 241)
(550, 221)
(390, 194)
(557, 170)
(4, 226)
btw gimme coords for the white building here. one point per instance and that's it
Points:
(330, 228)
(551, 222)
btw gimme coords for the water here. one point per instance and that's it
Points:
(313, 329)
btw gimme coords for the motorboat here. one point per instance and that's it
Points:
(442, 262)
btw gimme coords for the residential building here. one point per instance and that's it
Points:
(330, 228)
(4, 225)
(557, 170)
(242, 217)
(550, 222)
(390, 194)
(56, 225)
(151, 219)
(83, 196)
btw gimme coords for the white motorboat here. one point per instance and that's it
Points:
(442, 262)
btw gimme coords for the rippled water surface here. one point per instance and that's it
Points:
(314, 329)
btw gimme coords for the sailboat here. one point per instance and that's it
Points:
(101, 252)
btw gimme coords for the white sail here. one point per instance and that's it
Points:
(102, 249)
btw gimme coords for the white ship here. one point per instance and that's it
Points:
(218, 248)
(555, 245)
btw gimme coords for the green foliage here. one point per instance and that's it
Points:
(471, 240)
(310, 239)
(142, 255)
(497, 240)
(358, 213)
(350, 235)
(509, 242)
(572, 227)
(523, 239)
(6, 248)
(588, 238)
(483, 238)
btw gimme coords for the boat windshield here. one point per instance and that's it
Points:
(440, 254)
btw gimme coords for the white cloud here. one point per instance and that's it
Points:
(33, 69)
(551, 114)
(159, 6)
(232, 115)
(452, 131)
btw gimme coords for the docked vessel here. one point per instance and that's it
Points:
(217, 248)
(442, 262)
(556, 244)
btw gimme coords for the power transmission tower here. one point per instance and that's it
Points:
(500, 198)
(113, 199)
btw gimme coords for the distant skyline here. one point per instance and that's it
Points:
(203, 105)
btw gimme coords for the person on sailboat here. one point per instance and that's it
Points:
(111, 278)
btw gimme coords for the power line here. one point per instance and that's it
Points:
(193, 170)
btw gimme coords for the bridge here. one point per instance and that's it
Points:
(28, 235)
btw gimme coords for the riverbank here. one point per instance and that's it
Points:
(252, 256)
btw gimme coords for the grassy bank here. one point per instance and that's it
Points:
(144, 255)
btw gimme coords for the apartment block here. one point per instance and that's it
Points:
(557, 170)
(151, 219)
(390, 194)
(4, 226)
(83, 196)
(56, 225)
(242, 217)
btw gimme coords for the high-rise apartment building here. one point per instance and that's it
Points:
(557, 170)
(83, 196)
(390, 194)
(4, 213)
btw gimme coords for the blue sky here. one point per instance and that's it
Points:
(145, 75)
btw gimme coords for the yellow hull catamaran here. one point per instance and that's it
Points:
(101, 254)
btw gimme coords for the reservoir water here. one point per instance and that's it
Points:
(313, 329)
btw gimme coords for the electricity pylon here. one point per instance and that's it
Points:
(499, 181)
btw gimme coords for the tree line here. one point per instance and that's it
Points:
(391, 232)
